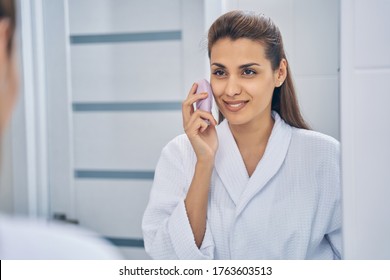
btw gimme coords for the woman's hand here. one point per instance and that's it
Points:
(200, 129)
(202, 135)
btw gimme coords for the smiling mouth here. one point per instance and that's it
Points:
(235, 106)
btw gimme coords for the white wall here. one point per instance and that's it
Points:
(365, 128)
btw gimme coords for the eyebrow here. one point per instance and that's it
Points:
(241, 66)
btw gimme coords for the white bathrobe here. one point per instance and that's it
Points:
(288, 209)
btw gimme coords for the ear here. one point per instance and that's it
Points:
(281, 73)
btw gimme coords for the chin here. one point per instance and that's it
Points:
(236, 120)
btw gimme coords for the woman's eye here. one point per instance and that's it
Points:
(248, 72)
(219, 73)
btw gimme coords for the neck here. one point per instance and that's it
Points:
(253, 134)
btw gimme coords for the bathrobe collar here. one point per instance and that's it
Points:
(231, 168)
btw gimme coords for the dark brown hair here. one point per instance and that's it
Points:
(7, 10)
(260, 28)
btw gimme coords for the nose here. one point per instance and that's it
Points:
(233, 87)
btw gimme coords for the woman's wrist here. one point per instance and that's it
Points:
(205, 163)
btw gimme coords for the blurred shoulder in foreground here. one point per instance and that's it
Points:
(22, 238)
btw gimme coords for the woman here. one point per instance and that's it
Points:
(260, 185)
(28, 239)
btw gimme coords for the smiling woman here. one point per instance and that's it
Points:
(259, 185)
(270, 52)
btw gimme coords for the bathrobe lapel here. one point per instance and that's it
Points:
(231, 168)
(272, 160)
(229, 163)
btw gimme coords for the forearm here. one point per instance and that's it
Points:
(197, 199)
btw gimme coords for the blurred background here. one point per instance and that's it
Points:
(102, 86)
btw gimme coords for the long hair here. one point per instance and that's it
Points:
(260, 28)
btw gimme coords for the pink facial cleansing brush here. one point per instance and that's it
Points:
(204, 104)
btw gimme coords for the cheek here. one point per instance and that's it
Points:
(258, 87)
(217, 88)
(255, 87)
(267, 85)
(261, 92)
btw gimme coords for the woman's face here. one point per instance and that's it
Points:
(242, 80)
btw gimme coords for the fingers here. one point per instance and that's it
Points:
(195, 122)
(205, 116)
(198, 126)
(187, 105)
(192, 90)
(199, 122)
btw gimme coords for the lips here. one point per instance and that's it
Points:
(235, 106)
